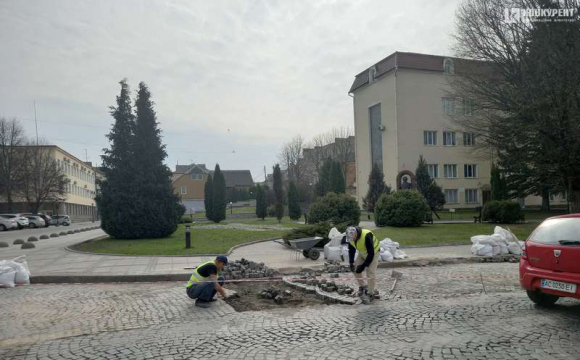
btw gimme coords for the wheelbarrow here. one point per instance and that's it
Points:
(306, 245)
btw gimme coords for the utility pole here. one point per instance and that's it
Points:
(264, 173)
(35, 121)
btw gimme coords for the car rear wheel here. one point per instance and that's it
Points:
(2, 227)
(542, 299)
(32, 225)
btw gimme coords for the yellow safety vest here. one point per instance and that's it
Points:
(196, 277)
(360, 244)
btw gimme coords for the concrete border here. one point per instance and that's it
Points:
(68, 248)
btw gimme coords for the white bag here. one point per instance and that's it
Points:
(344, 252)
(499, 239)
(482, 250)
(389, 245)
(386, 256)
(334, 233)
(7, 275)
(399, 254)
(503, 249)
(479, 238)
(507, 235)
(496, 250)
(333, 253)
(514, 248)
(22, 276)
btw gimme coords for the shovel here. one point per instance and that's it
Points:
(395, 275)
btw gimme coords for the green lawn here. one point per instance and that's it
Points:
(267, 221)
(446, 233)
(204, 241)
(531, 215)
(236, 210)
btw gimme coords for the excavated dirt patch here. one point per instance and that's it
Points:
(248, 297)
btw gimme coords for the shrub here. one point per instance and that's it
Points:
(336, 208)
(18, 242)
(272, 211)
(404, 208)
(43, 237)
(32, 239)
(185, 220)
(502, 211)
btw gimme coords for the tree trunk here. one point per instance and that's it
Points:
(546, 199)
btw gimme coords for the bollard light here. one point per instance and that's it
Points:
(187, 236)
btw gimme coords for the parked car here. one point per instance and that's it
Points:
(47, 219)
(61, 220)
(21, 220)
(550, 266)
(7, 223)
(35, 221)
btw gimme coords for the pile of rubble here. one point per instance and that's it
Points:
(273, 293)
(335, 266)
(246, 269)
(313, 279)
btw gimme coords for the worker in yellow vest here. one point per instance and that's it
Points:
(205, 282)
(368, 247)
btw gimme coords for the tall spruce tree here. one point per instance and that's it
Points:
(428, 187)
(377, 187)
(324, 179)
(157, 201)
(208, 198)
(117, 195)
(422, 178)
(278, 193)
(498, 184)
(294, 210)
(261, 203)
(337, 184)
(219, 195)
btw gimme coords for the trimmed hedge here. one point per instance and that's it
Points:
(335, 208)
(404, 208)
(185, 220)
(502, 211)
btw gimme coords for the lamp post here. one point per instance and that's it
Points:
(231, 208)
(187, 237)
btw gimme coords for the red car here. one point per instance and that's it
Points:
(550, 262)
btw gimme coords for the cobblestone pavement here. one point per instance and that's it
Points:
(435, 314)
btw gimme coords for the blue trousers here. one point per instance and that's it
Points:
(204, 291)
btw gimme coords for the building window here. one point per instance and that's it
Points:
(183, 189)
(433, 170)
(448, 67)
(468, 139)
(450, 171)
(448, 106)
(449, 138)
(451, 196)
(470, 171)
(471, 196)
(197, 176)
(468, 107)
(430, 138)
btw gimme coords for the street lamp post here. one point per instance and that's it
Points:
(187, 237)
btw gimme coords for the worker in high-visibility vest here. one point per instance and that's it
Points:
(368, 247)
(205, 282)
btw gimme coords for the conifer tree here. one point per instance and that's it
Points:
(279, 193)
(157, 203)
(261, 205)
(337, 184)
(220, 203)
(377, 187)
(324, 179)
(208, 198)
(294, 210)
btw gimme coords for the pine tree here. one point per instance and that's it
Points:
(208, 198)
(261, 205)
(219, 195)
(117, 195)
(324, 183)
(337, 184)
(498, 184)
(294, 210)
(279, 193)
(422, 178)
(157, 201)
(377, 187)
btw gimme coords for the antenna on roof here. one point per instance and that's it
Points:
(35, 121)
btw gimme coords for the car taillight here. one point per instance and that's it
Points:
(524, 254)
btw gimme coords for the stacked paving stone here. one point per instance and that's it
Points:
(335, 266)
(246, 269)
(313, 279)
(273, 293)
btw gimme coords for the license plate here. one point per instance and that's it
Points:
(558, 285)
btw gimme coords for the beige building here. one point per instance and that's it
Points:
(401, 110)
(78, 200)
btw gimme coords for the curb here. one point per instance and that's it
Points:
(68, 248)
(334, 298)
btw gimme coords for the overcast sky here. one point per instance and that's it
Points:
(231, 79)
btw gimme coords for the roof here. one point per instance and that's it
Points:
(407, 60)
(184, 169)
(237, 177)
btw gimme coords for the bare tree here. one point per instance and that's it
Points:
(337, 144)
(523, 78)
(43, 180)
(11, 159)
(343, 148)
(291, 159)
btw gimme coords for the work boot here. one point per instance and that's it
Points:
(365, 299)
(202, 303)
(375, 295)
(362, 290)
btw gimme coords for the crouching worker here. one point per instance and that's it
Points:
(205, 282)
(368, 247)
